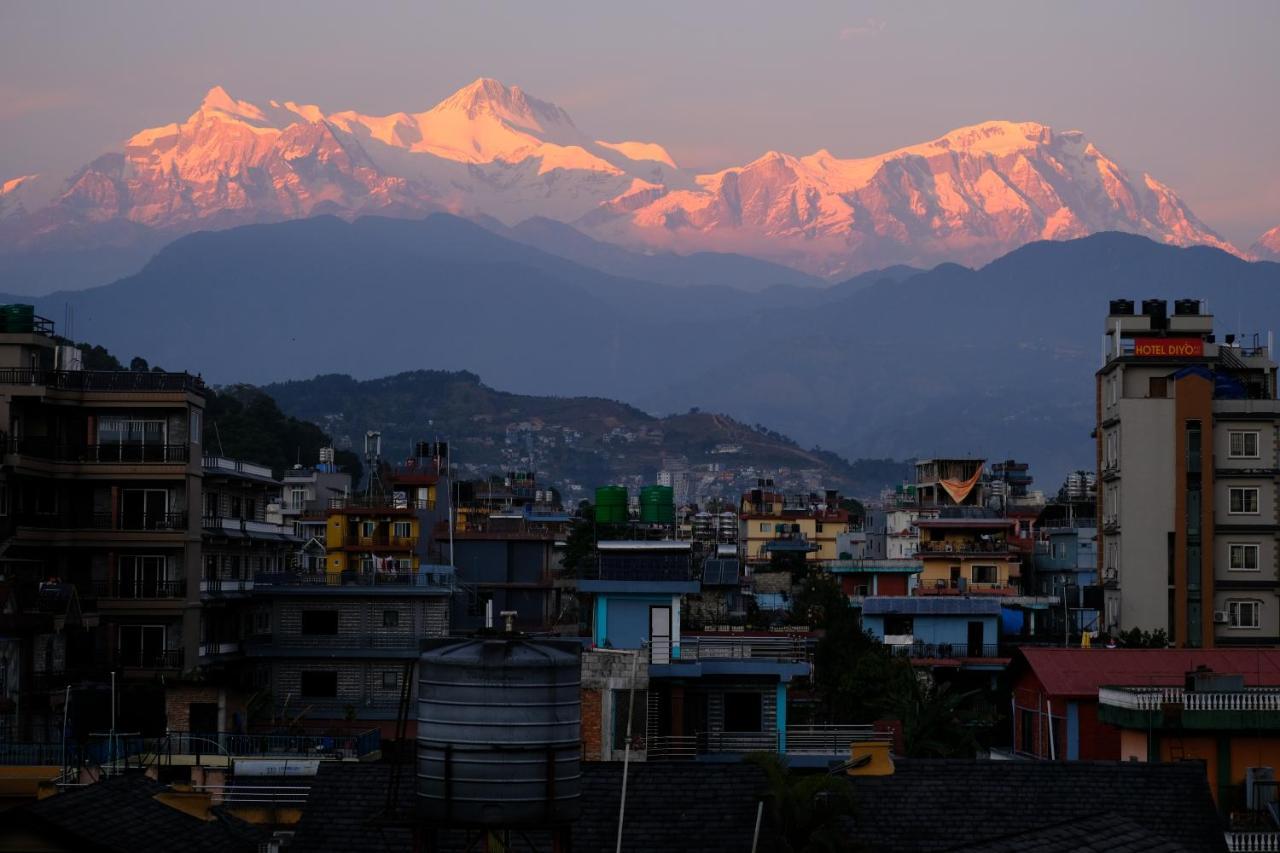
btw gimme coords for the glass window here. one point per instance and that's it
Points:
(367, 528)
(983, 574)
(1244, 613)
(402, 530)
(390, 679)
(1244, 501)
(390, 618)
(197, 425)
(1244, 557)
(320, 684)
(320, 622)
(1244, 445)
(743, 712)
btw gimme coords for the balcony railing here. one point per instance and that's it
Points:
(103, 380)
(216, 586)
(160, 521)
(1252, 842)
(379, 502)
(332, 641)
(150, 659)
(386, 540)
(1155, 698)
(800, 740)
(828, 739)
(731, 647)
(947, 650)
(89, 454)
(141, 589)
(971, 547)
(335, 580)
(218, 649)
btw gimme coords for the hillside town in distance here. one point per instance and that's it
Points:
(194, 635)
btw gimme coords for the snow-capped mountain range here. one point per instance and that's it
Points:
(492, 150)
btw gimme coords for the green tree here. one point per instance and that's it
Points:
(933, 723)
(807, 813)
(580, 544)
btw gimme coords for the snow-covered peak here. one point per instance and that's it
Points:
(509, 104)
(1268, 246)
(997, 138)
(641, 151)
(218, 102)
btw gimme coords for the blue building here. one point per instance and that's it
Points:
(959, 631)
(1066, 562)
(710, 695)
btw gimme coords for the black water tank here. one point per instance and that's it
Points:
(1186, 307)
(1121, 307)
(500, 732)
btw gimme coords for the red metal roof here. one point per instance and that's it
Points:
(1078, 673)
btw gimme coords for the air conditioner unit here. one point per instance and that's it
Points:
(1219, 617)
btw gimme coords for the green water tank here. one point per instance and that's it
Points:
(18, 318)
(657, 505)
(611, 505)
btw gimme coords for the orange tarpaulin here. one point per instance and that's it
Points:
(959, 489)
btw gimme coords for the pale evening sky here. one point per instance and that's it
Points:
(1185, 91)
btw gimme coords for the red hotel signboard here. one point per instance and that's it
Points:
(1168, 347)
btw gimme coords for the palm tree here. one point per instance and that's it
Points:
(807, 812)
(933, 724)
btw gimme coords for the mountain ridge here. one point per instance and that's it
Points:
(490, 150)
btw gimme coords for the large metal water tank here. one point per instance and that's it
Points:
(499, 731)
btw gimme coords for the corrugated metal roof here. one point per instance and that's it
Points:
(1080, 672)
(930, 605)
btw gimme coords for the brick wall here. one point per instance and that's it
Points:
(593, 733)
(177, 704)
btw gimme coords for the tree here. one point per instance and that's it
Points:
(580, 544)
(139, 364)
(932, 717)
(807, 813)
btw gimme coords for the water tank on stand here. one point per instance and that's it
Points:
(499, 732)
(611, 505)
(657, 505)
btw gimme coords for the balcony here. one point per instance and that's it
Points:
(735, 647)
(149, 659)
(961, 549)
(128, 381)
(383, 540)
(164, 522)
(140, 590)
(379, 502)
(1249, 700)
(964, 586)
(826, 740)
(106, 454)
(225, 586)
(945, 651)
(351, 581)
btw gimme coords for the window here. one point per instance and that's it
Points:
(1244, 445)
(1112, 390)
(743, 712)
(983, 574)
(402, 529)
(1244, 613)
(262, 622)
(764, 527)
(1158, 386)
(390, 618)
(141, 645)
(1244, 558)
(390, 679)
(141, 577)
(638, 713)
(144, 509)
(297, 498)
(368, 528)
(322, 622)
(320, 684)
(1244, 501)
(197, 425)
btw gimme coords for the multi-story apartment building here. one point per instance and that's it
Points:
(100, 495)
(949, 482)
(968, 555)
(771, 522)
(305, 496)
(372, 533)
(1187, 469)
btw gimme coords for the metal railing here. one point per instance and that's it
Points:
(119, 453)
(947, 650)
(148, 659)
(256, 795)
(385, 540)
(828, 739)
(158, 521)
(141, 589)
(211, 586)
(672, 748)
(379, 502)
(209, 650)
(731, 647)
(103, 380)
(346, 745)
(1155, 698)
(332, 641)
(971, 547)
(336, 580)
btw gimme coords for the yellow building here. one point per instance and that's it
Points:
(767, 526)
(968, 555)
(372, 535)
